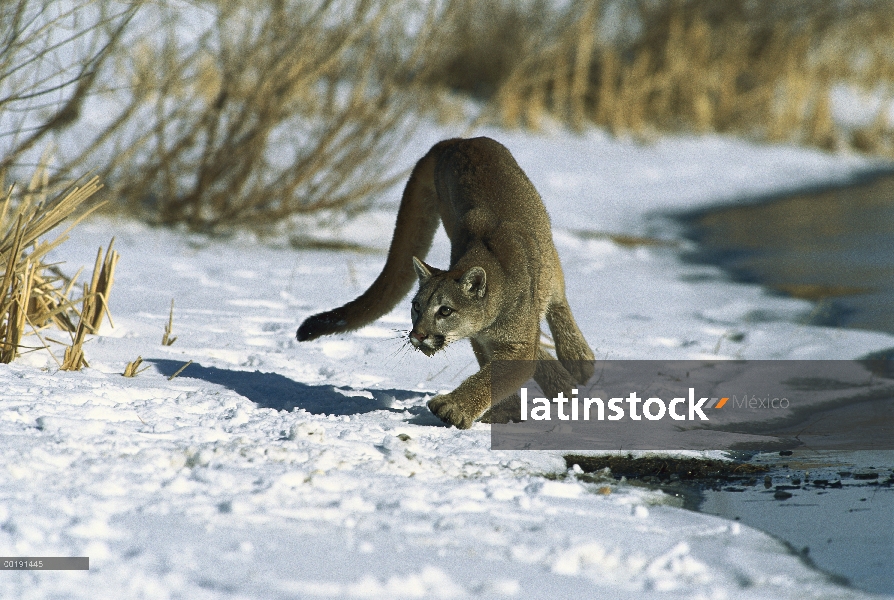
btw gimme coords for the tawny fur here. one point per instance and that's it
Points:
(504, 276)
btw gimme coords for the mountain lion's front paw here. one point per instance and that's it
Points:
(450, 411)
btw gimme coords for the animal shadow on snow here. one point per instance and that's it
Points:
(271, 390)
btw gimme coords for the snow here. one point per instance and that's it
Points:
(277, 469)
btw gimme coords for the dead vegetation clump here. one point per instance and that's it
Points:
(132, 369)
(35, 294)
(94, 306)
(765, 69)
(664, 467)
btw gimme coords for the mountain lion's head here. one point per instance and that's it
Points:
(448, 306)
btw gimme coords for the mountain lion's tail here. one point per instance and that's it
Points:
(417, 221)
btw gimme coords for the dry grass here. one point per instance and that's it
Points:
(94, 305)
(180, 370)
(132, 369)
(167, 339)
(101, 286)
(34, 294)
(760, 68)
(74, 359)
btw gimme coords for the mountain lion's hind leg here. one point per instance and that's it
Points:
(551, 375)
(571, 347)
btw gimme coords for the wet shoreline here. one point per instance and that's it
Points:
(834, 509)
(831, 509)
(833, 246)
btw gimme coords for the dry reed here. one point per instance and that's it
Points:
(94, 305)
(101, 286)
(34, 293)
(180, 370)
(74, 354)
(167, 339)
(759, 68)
(132, 369)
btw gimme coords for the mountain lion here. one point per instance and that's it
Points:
(504, 277)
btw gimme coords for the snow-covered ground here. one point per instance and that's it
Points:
(273, 469)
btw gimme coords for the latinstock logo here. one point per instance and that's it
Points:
(690, 404)
(653, 409)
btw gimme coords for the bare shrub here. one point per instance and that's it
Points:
(51, 54)
(217, 113)
(268, 110)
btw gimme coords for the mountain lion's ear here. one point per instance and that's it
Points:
(474, 282)
(423, 271)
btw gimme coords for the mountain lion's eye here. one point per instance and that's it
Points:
(415, 306)
(445, 311)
